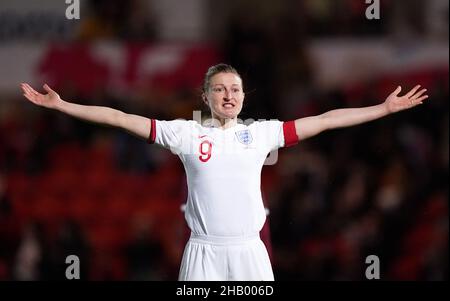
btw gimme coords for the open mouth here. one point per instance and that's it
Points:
(228, 105)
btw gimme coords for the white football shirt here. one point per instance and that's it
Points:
(223, 170)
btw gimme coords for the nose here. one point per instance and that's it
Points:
(227, 95)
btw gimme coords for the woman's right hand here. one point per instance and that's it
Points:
(49, 100)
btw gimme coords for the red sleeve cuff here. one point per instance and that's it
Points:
(290, 135)
(152, 136)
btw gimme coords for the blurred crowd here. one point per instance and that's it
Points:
(69, 187)
(140, 20)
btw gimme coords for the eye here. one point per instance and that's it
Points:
(217, 89)
(236, 90)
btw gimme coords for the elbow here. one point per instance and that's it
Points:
(311, 126)
(324, 122)
(119, 119)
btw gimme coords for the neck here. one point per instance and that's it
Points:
(223, 123)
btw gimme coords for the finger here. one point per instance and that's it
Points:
(418, 94)
(22, 86)
(47, 88)
(397, 91)
(412, 91)
(421, 99)
(29, 97)
(28, 93)
(30, 90)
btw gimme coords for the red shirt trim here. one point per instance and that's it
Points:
(152, 136)
(290, 134)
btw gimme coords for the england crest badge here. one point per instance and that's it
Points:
(244, 137)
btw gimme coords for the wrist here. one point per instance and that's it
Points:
(385, 108)
(59, 105)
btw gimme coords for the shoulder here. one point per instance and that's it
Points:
(177, 123)
(266, 124)
(175, 128)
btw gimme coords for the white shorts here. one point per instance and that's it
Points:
(212, 258)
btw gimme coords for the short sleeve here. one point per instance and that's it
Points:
(169, 134)
(275, 134)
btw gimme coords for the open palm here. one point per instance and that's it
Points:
(395, 103)
(49, 100)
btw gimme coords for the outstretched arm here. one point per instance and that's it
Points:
(134, 124)
(311, 126)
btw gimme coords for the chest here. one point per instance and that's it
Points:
(229, 151)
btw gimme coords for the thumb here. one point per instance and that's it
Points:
(47, 88)
(397, 91)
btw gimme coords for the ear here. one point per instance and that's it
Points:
(205, 99)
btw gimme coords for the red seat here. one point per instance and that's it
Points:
(83, 209)
(68, 156)
(107, 235)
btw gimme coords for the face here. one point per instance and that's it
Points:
(225, 96)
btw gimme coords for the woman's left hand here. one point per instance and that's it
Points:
(414, 97)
